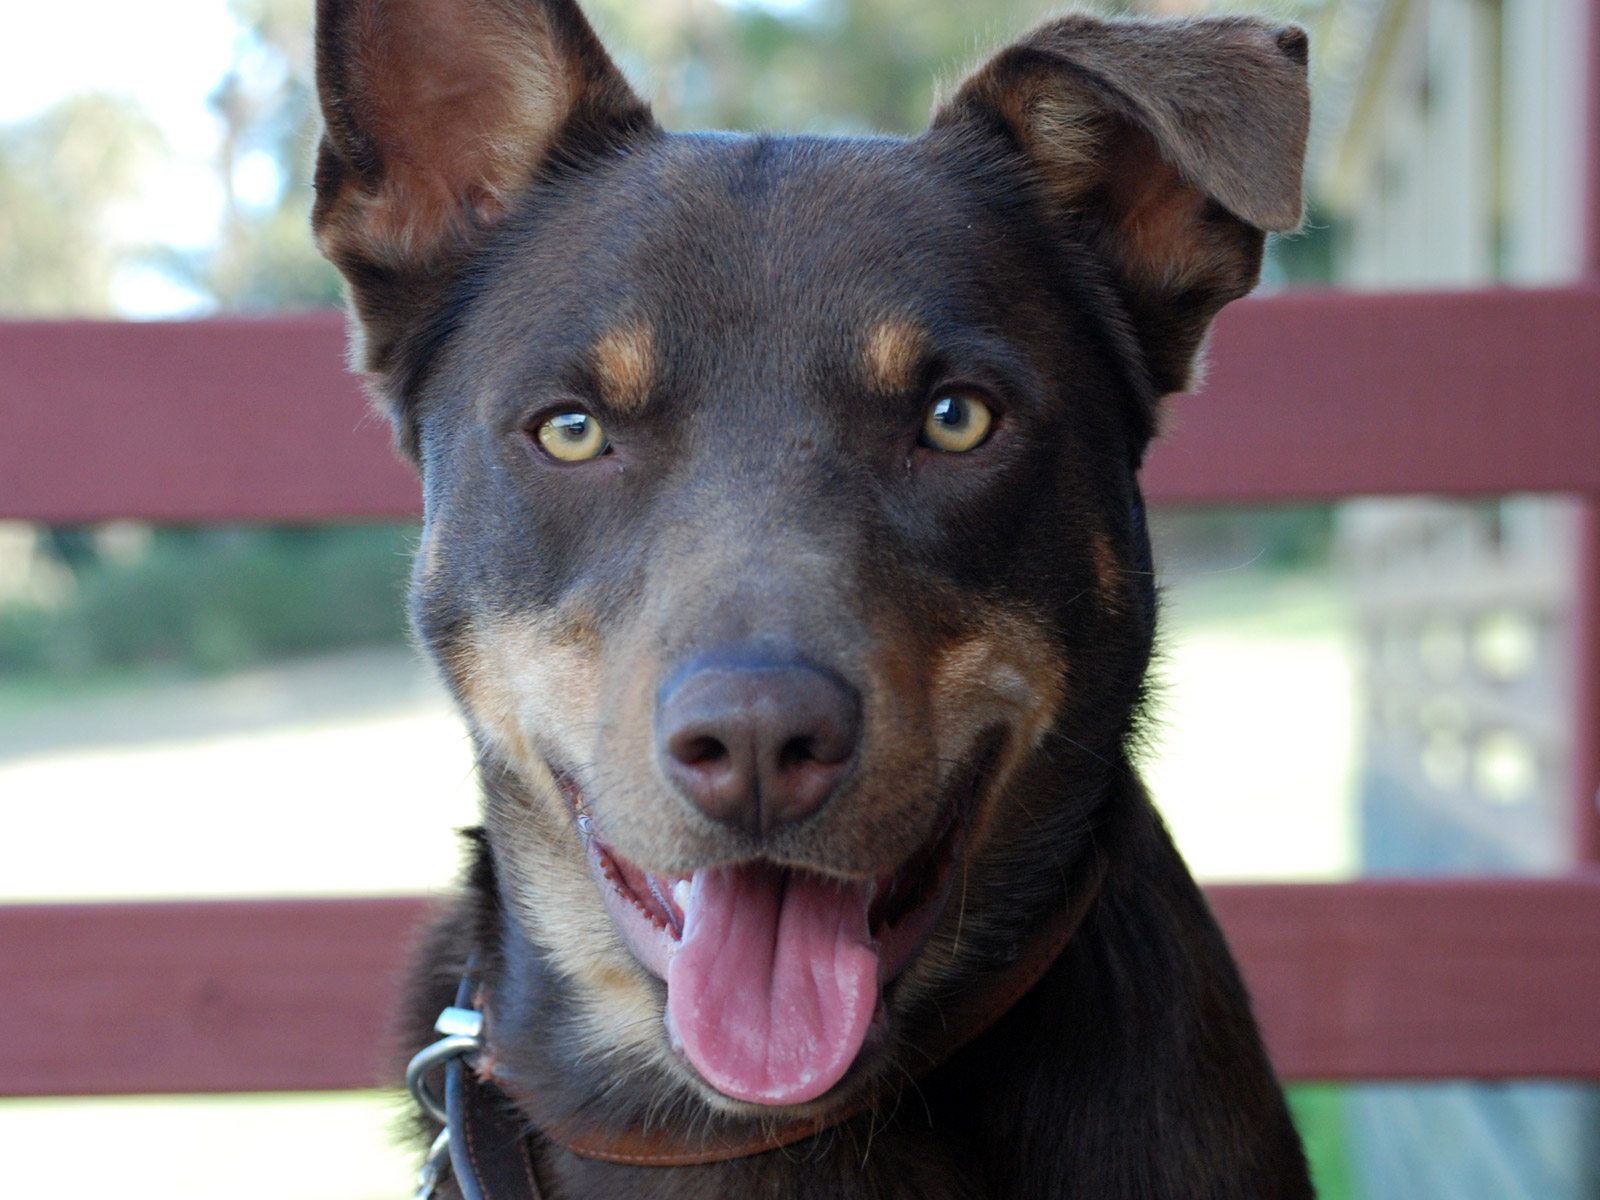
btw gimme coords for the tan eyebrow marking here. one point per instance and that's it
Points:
(893, 354)
(625, 364)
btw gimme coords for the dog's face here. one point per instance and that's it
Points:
(782, 541)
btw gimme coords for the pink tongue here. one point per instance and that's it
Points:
(775, 983)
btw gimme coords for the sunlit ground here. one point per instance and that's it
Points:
(358, 799)
(346, 776)
(268, 1147)
(1254, 735)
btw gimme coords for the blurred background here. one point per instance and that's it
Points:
(1373, 687)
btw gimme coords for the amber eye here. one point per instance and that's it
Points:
(957, 422)
(572, 437)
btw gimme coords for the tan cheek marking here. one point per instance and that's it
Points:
(1011, 674)
(1011, 670)
(531, 685)
(624, 361)
(555, 898)
(1108, 572)
(893, 353)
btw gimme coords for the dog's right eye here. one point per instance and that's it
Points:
(956, 422)
(571, 437)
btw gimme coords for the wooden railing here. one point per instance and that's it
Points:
(1311, 396)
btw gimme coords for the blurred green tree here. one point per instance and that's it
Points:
(63, 176)
(264, 258)
(830, 66)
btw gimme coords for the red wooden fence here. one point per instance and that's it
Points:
(1379, 979)
(1312, 395)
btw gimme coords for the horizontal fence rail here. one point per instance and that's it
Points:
(1310, 395)
(1422, 978)
(1476, 978)
(232, 996)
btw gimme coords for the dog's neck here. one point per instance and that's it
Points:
(1141, 1015)
(687, 1143)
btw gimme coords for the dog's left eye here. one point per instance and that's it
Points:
(957, 422)
(572, 437)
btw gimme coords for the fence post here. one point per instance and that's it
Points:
(1586, 595)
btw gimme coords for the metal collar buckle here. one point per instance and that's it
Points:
(463, 1039)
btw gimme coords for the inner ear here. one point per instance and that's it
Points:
(452, 114)
(1177, 254)
(1154, 219)
(439, 111)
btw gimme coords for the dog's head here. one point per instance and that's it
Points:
(783, 545)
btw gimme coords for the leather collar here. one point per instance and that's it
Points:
(491, 1154)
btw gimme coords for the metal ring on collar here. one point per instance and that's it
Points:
(455, 1046)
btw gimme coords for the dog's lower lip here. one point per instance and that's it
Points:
(649, 894)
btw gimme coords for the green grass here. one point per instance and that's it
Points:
(214, 599)
(1319, 1112)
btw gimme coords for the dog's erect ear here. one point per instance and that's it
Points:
(1171, 146)
(436, 114)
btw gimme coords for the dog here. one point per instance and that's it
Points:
(784, 550)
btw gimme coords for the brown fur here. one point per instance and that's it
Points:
(893, 357)
(624, 360)
(520, 240)
(1140, 126)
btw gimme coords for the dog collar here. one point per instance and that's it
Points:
(485, 1143)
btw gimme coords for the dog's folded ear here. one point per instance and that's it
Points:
(436, 114)
(1170, 147)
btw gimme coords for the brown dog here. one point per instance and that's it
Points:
(785, 552)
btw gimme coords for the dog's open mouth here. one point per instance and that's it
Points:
(774, 974)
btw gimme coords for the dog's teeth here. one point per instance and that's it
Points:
(680, 894)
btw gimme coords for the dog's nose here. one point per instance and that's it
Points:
(757, 745)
